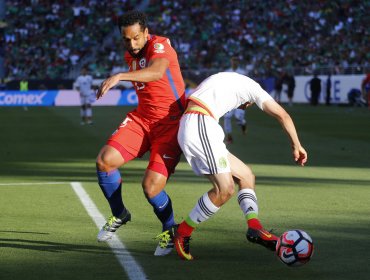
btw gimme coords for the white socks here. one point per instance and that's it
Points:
(203, 210)
(248, 201)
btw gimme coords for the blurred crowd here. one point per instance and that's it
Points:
(267, 35)
(45, 39)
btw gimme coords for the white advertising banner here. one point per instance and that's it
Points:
(72, 98)
(340, 86)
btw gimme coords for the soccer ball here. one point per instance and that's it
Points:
(294, 247)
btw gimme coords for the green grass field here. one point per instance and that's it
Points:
(46, 233)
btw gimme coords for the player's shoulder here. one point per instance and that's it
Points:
(159, 43)
(158, 39)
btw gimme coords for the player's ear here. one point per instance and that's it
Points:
(146, 31)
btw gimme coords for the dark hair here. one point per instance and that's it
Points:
(131, 18)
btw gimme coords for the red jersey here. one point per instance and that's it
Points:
(162, 100)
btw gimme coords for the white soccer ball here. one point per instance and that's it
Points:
(294, 247)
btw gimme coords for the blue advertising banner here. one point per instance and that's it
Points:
(128, 97)
(342, 85)
(28, 98)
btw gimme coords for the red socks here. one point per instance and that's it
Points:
(254, 223)
(184, 229)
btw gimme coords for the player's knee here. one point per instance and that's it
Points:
(101, 165)
(247, 179)
(104, 162)
(152, 187)
(151, 190)
(226, 193)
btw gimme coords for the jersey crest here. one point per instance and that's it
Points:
(158, 48)
(142, 63)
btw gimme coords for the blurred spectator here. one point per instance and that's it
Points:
(290, 82)
(328, 90)
(278, 86)
(315, 88)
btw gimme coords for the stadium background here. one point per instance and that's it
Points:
(48, 42)
(45, 232)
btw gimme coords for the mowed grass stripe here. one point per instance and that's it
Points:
(46, 234)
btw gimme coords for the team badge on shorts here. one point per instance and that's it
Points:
(222, 162)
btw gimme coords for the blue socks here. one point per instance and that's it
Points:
(110, 184)
(162, 207)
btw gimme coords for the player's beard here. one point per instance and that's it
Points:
(138, 54)
(131, 52)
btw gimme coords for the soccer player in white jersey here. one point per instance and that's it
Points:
(201, 139)
(84, 85)
(238, 114)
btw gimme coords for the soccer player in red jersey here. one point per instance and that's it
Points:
(365, 89)
(155, 73)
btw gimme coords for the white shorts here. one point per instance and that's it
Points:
(239, 114)
(87, 99)
(201, 139)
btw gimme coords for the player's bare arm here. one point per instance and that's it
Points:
(275, 110)
(153, 72)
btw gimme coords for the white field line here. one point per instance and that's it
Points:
(128, 263)
(26, 184)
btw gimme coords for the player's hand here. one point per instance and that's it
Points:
(107, 85)
(300, 156)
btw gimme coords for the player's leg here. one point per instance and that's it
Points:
(83, 110)
(228, 127)
(165, 154)
(247, 199)
(201, 139)
(153, 186)
(119, 149)
(240, 119)
(110, 182)
(290, 96)
(277, 95)
(208, 205)
(89, 113)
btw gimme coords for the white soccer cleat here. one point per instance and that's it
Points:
(165, 243)
(113, 223)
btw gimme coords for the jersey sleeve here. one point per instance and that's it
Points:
(259, 95)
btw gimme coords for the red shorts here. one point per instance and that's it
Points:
(135, 136)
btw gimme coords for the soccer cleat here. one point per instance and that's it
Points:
(113, 223)
(244, 128)
(182, 245)
(262, 237)
(229, 139)
(165, 242)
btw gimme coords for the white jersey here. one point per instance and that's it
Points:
(84, 83)
(225, 91)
